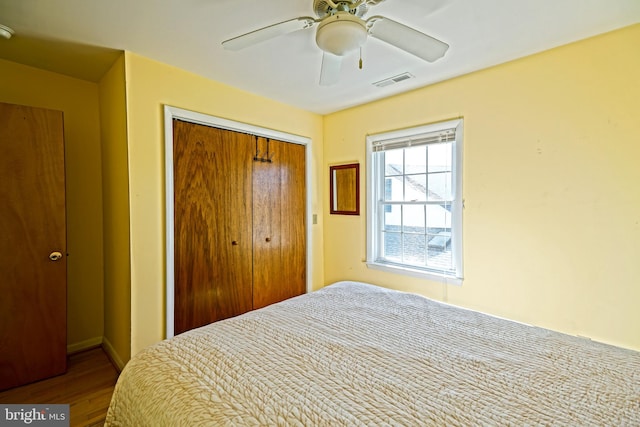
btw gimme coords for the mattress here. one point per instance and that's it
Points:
(355, 354)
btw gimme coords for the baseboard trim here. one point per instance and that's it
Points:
(116, 360)
(84, 345)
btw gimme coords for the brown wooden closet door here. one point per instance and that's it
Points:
(279, 236)
(212, 199)
(33, 287)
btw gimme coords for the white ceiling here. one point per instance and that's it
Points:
(82, 37)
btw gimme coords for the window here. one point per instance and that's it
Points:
(414, 197)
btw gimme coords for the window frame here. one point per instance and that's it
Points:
(375, 194)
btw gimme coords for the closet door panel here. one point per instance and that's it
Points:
(279, 243)
(268, 275)
(294, 226)
(213, 233)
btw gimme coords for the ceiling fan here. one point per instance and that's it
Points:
(341, 30)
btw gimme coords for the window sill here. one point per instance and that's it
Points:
(406, 271)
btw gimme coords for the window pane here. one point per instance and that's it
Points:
(440, 157)
(414, 249)
(415, 160)
(413, 219)
(438, 217)
(415, 188)
(441, 260)
(393, 189)
(440, 242)
(392, 247)
(393, 162)
(440, 186)
(392, 218)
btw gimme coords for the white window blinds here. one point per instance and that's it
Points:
(447, 135)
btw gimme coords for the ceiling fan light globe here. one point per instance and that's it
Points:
(341, 33)
(6, 32)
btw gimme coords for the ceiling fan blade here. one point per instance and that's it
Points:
(267, 33)
(407, 38)
(330, 71)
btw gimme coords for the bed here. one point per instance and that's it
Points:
(356, 354)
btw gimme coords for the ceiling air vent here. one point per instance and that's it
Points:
(394, 80)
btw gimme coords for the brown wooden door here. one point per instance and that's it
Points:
(33, 323)
(279, 226)
(212, 216)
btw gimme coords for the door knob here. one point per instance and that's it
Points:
(55, 256)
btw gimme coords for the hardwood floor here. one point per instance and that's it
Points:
(87, 387)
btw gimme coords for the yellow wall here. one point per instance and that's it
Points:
(78, 100)
(551, 187)
(150, 85)
(115, 190)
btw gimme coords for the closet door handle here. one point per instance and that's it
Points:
(268, 239)
(234, 243)
(55, 256)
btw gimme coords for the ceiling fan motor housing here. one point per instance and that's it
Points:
(324, 8)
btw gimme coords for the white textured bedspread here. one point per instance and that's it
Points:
(354, 354)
